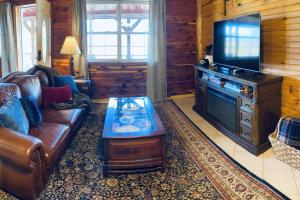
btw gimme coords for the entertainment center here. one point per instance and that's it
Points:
(245, 108)
(232, 93)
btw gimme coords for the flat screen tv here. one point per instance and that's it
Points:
(237, 42)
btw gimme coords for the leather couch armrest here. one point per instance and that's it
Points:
(19, 149)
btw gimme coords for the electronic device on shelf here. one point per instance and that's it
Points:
(227, 84)
(204, 63)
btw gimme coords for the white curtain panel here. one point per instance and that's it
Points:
(156, 74)
(8, 49)
(79, 31)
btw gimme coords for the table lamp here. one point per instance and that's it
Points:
(71, 48)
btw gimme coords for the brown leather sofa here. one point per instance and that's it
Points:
(26, 160)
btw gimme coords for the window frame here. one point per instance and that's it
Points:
(119, 32)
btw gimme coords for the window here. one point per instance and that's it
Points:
(26, 27)
(117, 30)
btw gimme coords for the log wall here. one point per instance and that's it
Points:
(118, 79)
(109, 79)
(61, 27)
(281, 39)
(181, 45)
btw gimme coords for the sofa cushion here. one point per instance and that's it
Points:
(67, 117)
(12, 116)
(29, 85)
(8, 90)
(66, 81)
(43, 78)
(53, 95)
(54, 137)
(32, 111)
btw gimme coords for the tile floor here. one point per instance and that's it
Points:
(266, 166)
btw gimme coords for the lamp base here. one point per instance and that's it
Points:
(72, 66)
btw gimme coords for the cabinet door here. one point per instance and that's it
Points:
(201, 98)
(246, 133)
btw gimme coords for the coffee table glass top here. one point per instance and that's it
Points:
(129, 117)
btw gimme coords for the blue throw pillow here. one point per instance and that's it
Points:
(12, 116)
(32, 111)
(61, 81)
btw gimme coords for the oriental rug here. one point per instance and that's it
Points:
(196, 168)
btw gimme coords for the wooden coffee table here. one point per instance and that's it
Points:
(133, 137)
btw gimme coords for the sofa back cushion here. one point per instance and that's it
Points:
(43, 78)
(61, 81)
(8, 90)
(30, 86)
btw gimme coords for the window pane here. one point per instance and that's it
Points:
(104, 30)
(140, 40)
(27, 36)
(103, 17)
(135, 18)
(103, 52)
(102, 45)
(96, 40)
(111, 51)
(111, 40)
(143, 26)
(135, 46)
(98, 50)
(102, 39)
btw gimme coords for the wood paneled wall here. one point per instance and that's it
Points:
(281, 38)
(61, 27)
(291, 97)
(109, 80)
(118, 79)
(181, 45)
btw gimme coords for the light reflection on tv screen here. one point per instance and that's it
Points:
(237, 42)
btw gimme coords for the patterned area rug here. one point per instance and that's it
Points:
(196, 168)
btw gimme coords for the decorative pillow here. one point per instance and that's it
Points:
(66, 81)
(32, 111)
(12, 116)
(56, 95)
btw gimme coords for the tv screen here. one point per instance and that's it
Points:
(237, 42)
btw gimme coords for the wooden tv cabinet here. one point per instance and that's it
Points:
(244, 106)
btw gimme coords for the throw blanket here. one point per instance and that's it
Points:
(48, 70)
(80, 100)
(288, 131)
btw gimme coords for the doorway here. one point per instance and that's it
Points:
(33, 25)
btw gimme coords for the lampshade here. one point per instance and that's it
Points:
(70, 46)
